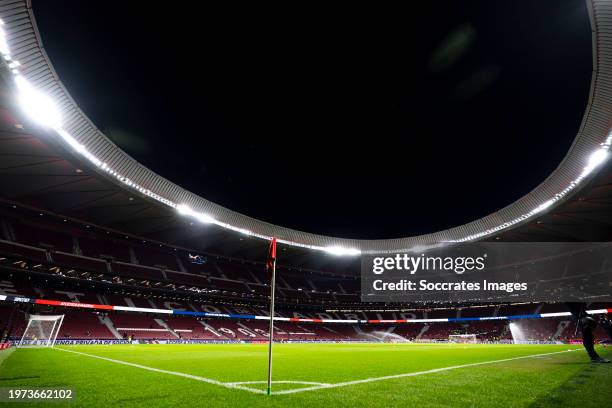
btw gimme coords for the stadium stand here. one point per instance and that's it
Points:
(74, 263)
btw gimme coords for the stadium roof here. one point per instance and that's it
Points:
(55, 157)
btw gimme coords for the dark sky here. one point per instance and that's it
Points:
(366, 122)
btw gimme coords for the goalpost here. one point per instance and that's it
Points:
(462, 338)
(41, 331)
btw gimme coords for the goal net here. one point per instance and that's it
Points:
(41, 331)
(462, 338)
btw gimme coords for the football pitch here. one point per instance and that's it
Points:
(352, 375)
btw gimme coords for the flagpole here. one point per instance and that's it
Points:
(271, 334)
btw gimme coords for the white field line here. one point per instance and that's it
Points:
(276, 382)
(157, 370)
(318, 386)
(414, 374)
(279, 382)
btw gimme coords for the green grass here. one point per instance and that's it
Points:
(562, 379)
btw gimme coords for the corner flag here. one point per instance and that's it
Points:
(271, 268)
(271, 258)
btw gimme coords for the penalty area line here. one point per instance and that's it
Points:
(178, 374)
(304, 383)
(414, 374)
(278, 382)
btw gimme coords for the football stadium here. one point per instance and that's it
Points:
(222, 251)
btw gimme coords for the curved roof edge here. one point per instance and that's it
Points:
(20, 43)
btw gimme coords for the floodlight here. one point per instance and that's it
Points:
(596, 158)
(204, 218)
(37, 105)
(544, 206)
(340, 251)
(184, 209)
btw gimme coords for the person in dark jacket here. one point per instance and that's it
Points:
(586, 325)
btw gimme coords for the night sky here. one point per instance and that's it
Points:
(353, 122)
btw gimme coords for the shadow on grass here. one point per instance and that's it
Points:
(590, 387)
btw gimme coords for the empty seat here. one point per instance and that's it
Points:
(137, 271)
(27, 252)
(79, 262)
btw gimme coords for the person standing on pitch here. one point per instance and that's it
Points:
(587, 324)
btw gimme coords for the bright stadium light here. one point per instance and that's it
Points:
(544, 206)
(37, 105)
(4, 48)
(204, 218)
(184, 209)
(597, 157)
(244, 231)
(341, 251)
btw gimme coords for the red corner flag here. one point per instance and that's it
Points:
(271, 258)
(271, 267)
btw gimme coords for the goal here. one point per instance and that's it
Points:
(462, 338)
(41, 331)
